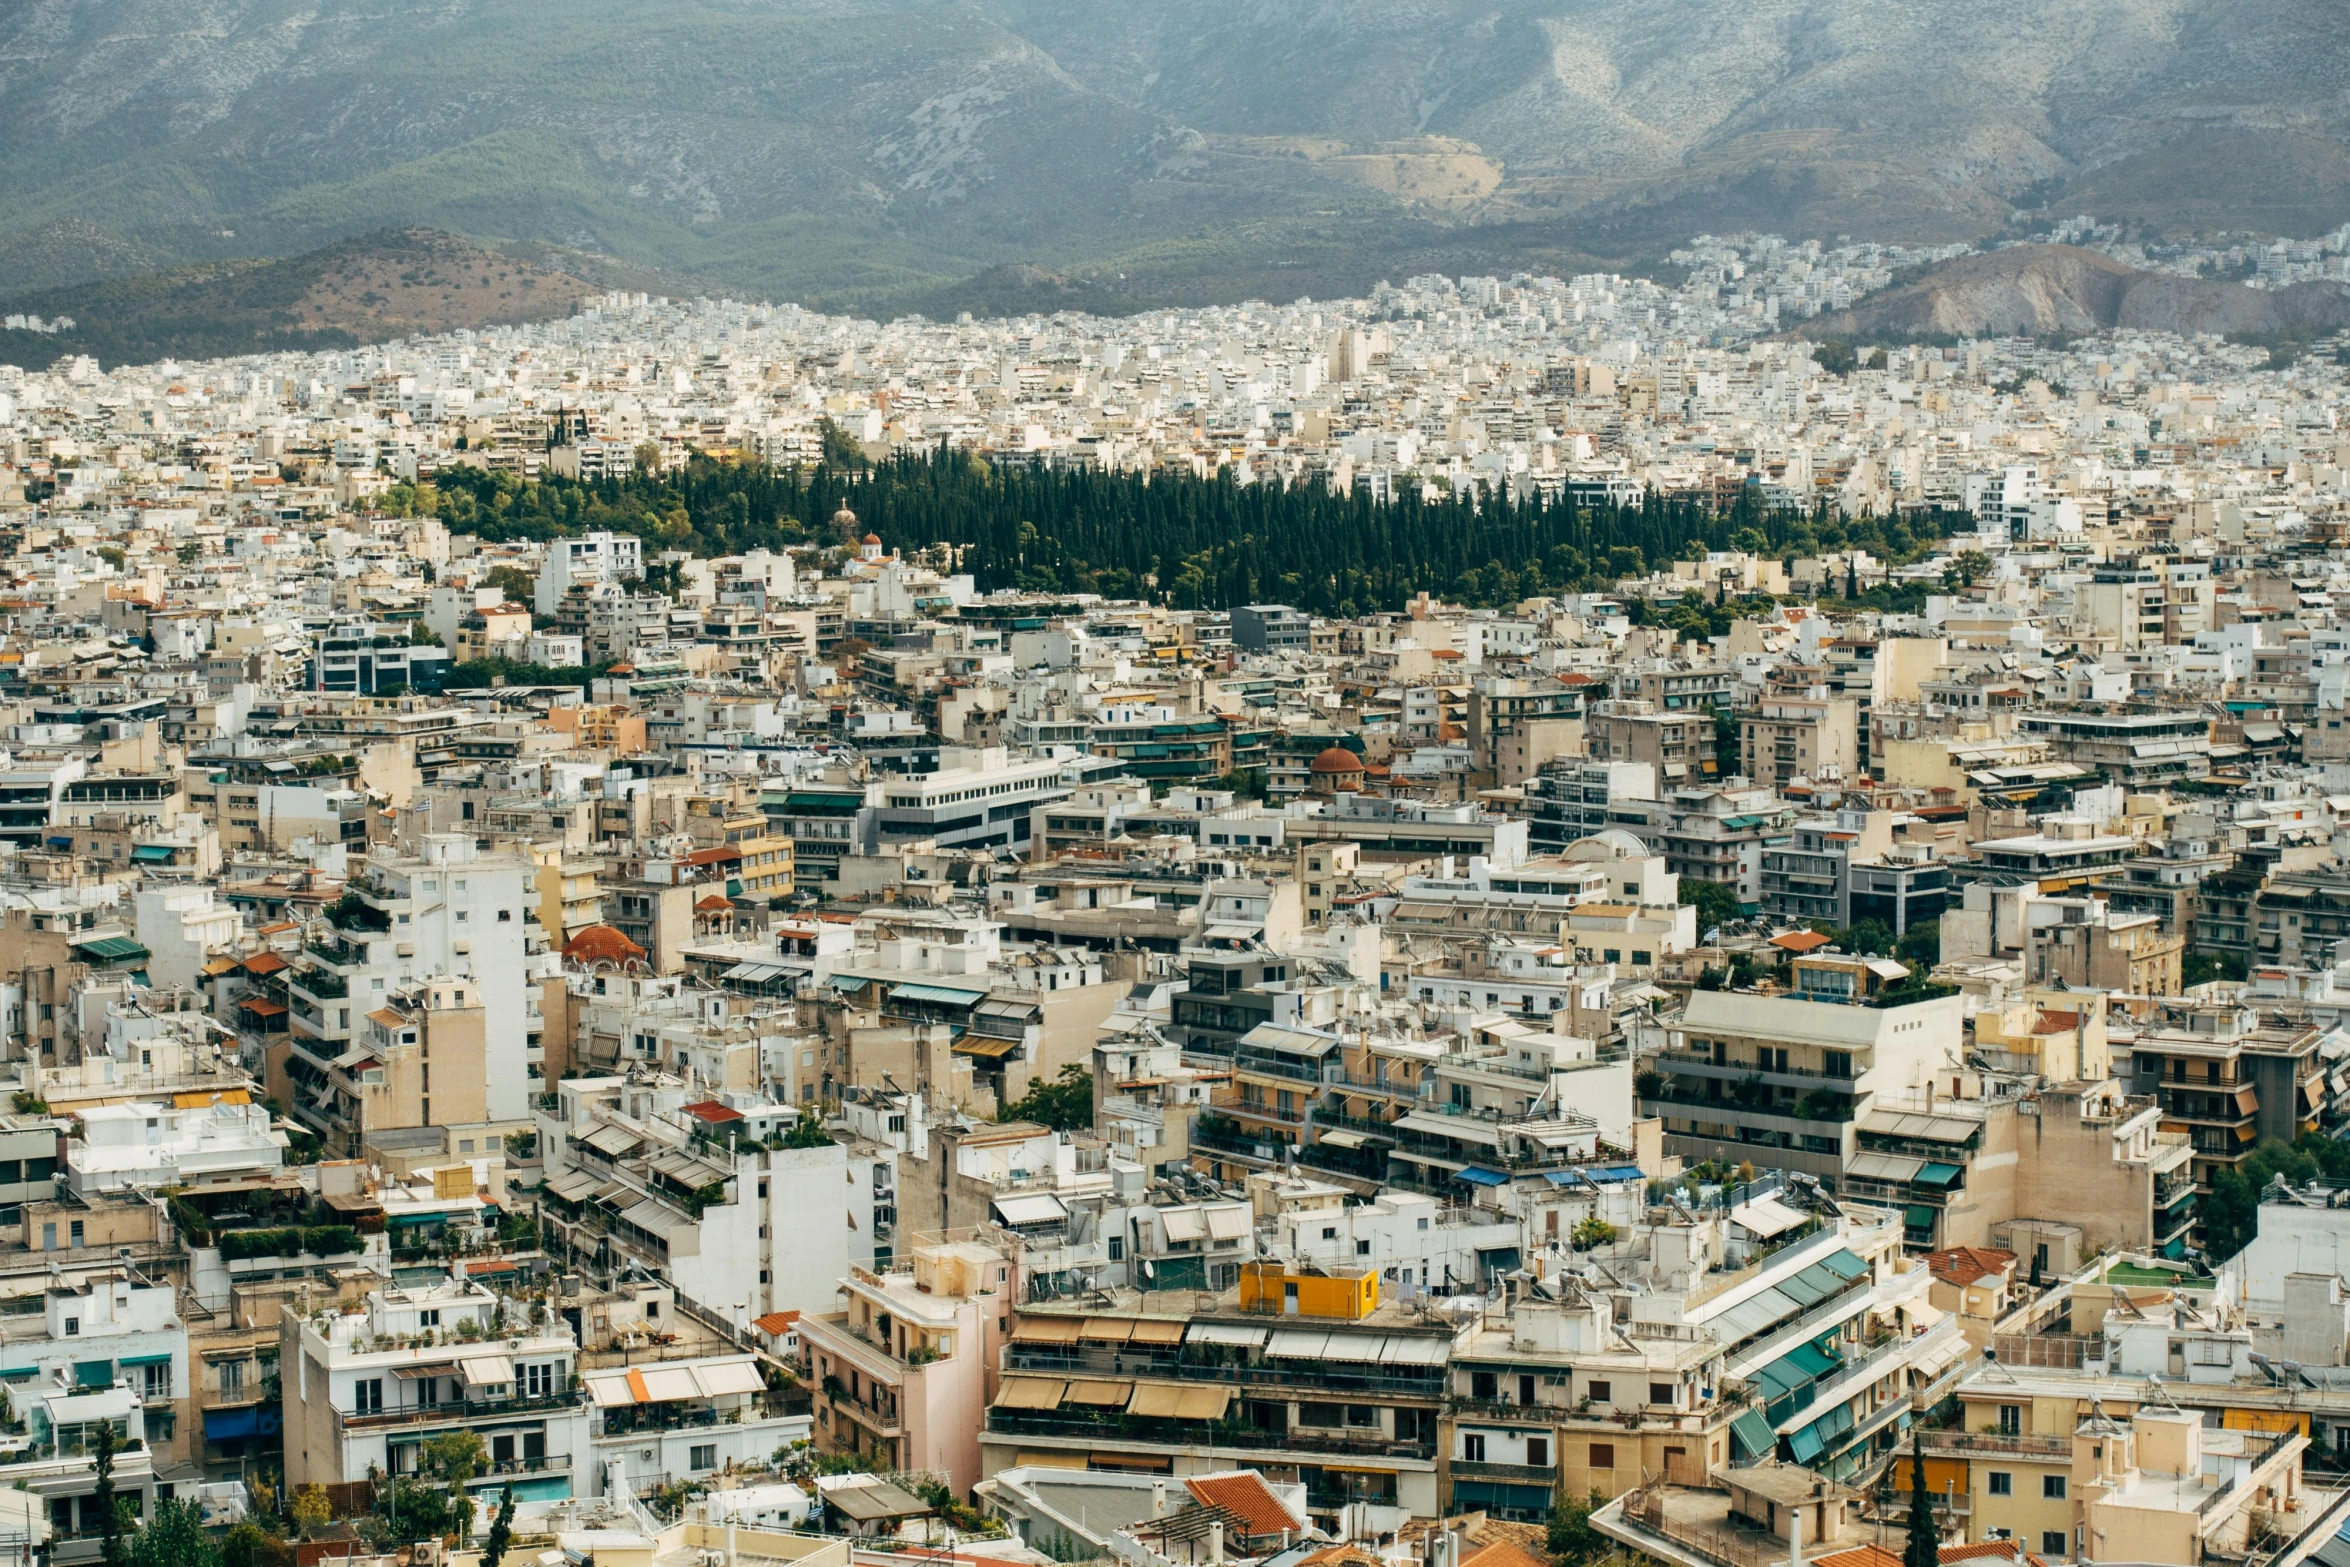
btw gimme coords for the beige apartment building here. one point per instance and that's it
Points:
(1679, 745)
(386, 1082)
(1790, 737)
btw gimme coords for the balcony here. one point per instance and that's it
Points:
(1201, 1363)
(1514, 1474)
(455, 1412)
(1191, 1435)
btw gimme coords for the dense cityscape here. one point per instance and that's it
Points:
(624, 940)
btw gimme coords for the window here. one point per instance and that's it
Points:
(73, 1327)
(1481, 1386)
(703, 1455)
(2011, 1419)
(1117, 1248)
(1598, 1392)
(1603, 1455)
(1473, 1446)
(232, 1379)
(157, 1381)
(538, 1380)
(428, 1319)
(1362, 1248)
(2001, 1483)
(2052, 1542)
(1538, 1451)
(367, 1398)
(1660, 1392)
(1329, 1232)
(2052, 1488)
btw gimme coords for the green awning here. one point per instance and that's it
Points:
(1808, 1288)
(1918, 1216)
(111, 949)
(1844, 1265)
(1812, 1360)
(18, 1373)
(1805, 1445)
(93, 1373)
(1939, 1177)
(1751, 1435)
(152, 853)
(940, 993)
(144, 1360)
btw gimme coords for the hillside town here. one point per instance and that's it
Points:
(563, 1042)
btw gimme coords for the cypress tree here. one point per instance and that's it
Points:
(1925, 1542)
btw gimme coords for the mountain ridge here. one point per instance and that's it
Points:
(862, 154)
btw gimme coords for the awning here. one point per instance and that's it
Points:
(1030, 1393)
(1156, 1331)
(1099, 1394)
(1238, 1334)
(1918, 1216)
(262, 1006)
(93, 1373)
(1477, 1177)
(982, 1046)
(442, 1368)
(1228, 1222)
(669, 1384)
(1205, 1403)
(1844, 1265)
(1047, 1330)
(1342, 1139)
(723, 1378)
(1157, 1400)
(945, 994)
(1035, 1208)
(1751, 1436)
(487, 1371)
(1419, 1349)
(229, 1425)
(1106, 1330)
(112, 949)
(1939, 1177)
(1292, 1344)
(1183, 1224)
(1361, 1348)
(1765, 1217)
(610, 1392)
(152, 854)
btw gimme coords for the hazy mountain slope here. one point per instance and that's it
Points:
(2032, 289)
(398, 283)
(871, 151)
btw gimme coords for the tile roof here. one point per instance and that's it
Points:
(1247, 1499)
(1966, 1264)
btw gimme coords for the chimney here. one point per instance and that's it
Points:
(1216, 1543)
(1794, 1537)
(1158, 1498)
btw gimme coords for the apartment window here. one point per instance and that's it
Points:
(538, 1381)
(2001, 1483)
(232, 1379)
(1473, 1446)
(1599, 1392)
(156, 1383)
(2052, 1542)
(1603, 1455)
(1117, 1248)
(1329, 1231)
(703, 1455)
(2052, 1488)
(428, 1319)
(2011, 1419)
(1321, 1414)
(367, 1398)
(1481, 1386)
(1660, 1392)
(73, 1327)
(1538, 1451)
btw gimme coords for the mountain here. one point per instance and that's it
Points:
(868, 153)
(2028, 290)
(396, 283)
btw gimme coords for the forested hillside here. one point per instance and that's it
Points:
(1197, 543)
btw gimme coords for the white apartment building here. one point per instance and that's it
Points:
(148, 1145)
(587, 560)
(979, 798)
(180, 927)
(367, 1385)
(445, 910)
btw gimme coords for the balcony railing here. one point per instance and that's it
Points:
(1119, 1427)
(461, 1410)
(1199, 1363)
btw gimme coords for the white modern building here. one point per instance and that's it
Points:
(585, 561)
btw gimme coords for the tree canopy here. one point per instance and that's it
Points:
(1194, 542)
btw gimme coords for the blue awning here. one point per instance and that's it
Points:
(144, 1360)
(1477, 1177)
(1609, 1174)
(229, 1425)
(152, 853)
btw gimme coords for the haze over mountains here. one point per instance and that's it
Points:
(883, 155)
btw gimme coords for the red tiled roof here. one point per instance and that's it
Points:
(1505, 1553)
(1966, 1264)
(1800, 941)
(1247, 1498)
(264, 963)
(776, 1322)
(711, 904)
(712, 1110)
